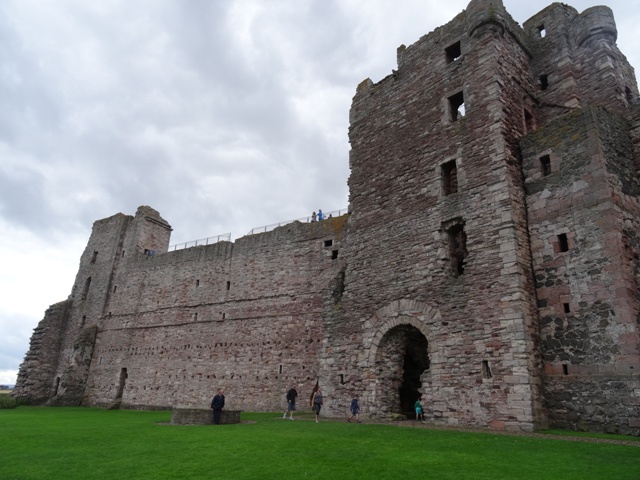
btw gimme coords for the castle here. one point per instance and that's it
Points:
(490, 260)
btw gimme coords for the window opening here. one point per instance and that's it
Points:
(486, 369)
(563, 242)
(457, 249)
(195, 317)
(341, 378)
(545, 165)
(542, 31)
(228, 285)
(629, 95)
(566, 307)
(449, 178)
(565, 369)
(456, 106)
(279, 369)
(197, 283)
(224, 315)
(84, 319)
(87, 284)
(529, 124)
(453, 52)
(95, 256)
(544, 82)
(115, 287)
(334, 254)
(328, 243)
(123, 253)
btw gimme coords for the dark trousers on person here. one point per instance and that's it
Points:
(216, 416)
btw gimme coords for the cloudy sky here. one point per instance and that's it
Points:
(223, 115)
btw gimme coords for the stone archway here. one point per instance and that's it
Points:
(402, 357)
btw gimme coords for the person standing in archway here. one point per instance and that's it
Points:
(419, 411)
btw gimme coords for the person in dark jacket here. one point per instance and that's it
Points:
(292, 394)
(217, 404)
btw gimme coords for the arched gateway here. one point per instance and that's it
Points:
(400, 356)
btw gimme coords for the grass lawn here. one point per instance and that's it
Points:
(82, 443)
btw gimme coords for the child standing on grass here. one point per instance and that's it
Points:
(355, 409)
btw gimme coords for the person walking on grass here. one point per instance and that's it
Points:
(292, 394)
(317, 401)
(354, 408)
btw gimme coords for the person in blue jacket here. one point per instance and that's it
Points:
(354, 408)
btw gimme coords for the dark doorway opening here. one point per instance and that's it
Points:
(123, 379)
(402, 360)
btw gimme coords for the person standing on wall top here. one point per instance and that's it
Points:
(313, 217)
(217, 404)
(320, 215)
(355, 409)
(317, 401)
(291, 402)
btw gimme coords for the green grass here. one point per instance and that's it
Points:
(81, 443)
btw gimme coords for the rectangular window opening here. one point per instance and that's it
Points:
(449, 178)
(279, 369)
(457, 249)
(334, 254)
(341, 378)
(486, 370)
(197, 283)
(529, 123)
(328, 243)
(545, 165)
(95, 256)
(542, 31)
(565, 369)
(228, 285)
(566, 308)
(453, 52)
(115, 287)
(563, 243)
(544, 82)
(456, 106)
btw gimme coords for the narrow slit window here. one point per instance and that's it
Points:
(453, 52)
(228, 285)
(87, 284)
(449, 178)
(566, 308)
(197, 283)
(529, 123)
(457, 249)
(544, 82)
(563, 243)
(486, 370)
(542, 31)
(545, 165)
(95, 256)
(341, 378)
(115, 288)
(456, 106)
(279, 369)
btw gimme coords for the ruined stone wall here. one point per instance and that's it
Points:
(480, 324)
(245, 317)
(575, 61)
(36, 378)
(579, 210)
